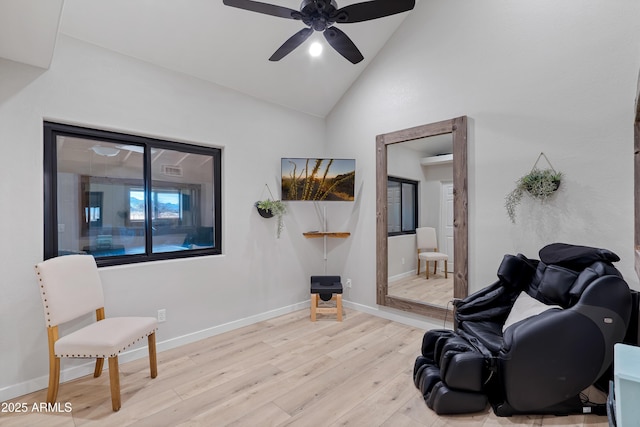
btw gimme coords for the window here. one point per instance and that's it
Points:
(402, 206)
(125, 198)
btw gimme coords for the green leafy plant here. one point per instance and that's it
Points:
(539, 184)
(273, 208)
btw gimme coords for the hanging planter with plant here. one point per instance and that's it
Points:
(270, 207)
(539, 184)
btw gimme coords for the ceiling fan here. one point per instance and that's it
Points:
(320, 15)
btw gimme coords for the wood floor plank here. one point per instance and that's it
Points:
(329, 407)
(202, 402)
(465, 420)
(242, 404)
(436, 290)
(36, 419)
(268, 414)
(286, 371)
(342, 395)
(575, 420)
(296, 400)
(360, 343)
(137, 410)
(398, 419)
(380, 405)
(520, 420)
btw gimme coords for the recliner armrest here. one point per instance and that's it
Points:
(568, 350)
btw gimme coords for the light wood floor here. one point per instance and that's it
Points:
(280, 372)
(435, 290)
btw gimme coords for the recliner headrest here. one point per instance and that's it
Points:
(575, 257)
(516, 270)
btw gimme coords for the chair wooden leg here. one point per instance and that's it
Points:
(54, 366)
(314, 305)
(445, 269)
(339, 307)
(54, 380)
(153, 359)
(114, 380)
(98, 370)
(426, 269)
(418, 273)
(100, 360)
(435, 266)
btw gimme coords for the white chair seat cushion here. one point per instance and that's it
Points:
(106, 338)
(433, 256)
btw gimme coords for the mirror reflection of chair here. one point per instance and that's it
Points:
(427, 248)
(70, 287)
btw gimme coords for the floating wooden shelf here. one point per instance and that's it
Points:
(318, 234)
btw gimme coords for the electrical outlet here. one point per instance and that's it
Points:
(162, 315)
(348, 283)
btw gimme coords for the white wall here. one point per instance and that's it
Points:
(96, 88)
(434, 176)
(558, 77)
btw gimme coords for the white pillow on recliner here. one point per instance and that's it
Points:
(524, 307)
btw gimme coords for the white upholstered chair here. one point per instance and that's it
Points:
(70, 288)
(427, 244)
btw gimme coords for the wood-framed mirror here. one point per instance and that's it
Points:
(396, 148)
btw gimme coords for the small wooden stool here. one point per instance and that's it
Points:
(326, 288)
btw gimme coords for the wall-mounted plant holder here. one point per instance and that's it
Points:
(264, 213)
(540, 184)
(271, 207)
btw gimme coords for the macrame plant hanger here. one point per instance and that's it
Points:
(541, 155)
(269, 190)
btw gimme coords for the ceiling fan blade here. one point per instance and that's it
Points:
(267, 9)
(293, 42)
(368, 10)
(343, 44)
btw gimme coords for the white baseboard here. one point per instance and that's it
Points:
(226, 327)
(84, 369)
(399, 316)
(74, 372)
(401, 275)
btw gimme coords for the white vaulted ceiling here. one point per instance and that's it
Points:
(28, 30)
(201, 38)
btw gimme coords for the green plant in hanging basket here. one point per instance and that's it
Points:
(539, 184)
(268, 208)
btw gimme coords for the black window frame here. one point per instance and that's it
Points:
(52, 130)
(416, 193)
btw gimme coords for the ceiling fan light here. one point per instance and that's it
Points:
(105, 151)
(135, 148)
(315, 49)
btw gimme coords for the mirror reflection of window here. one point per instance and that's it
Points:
(394, 207)
(402, 206)
(409, 206)
(93, 208)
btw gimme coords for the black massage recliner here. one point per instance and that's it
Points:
(534, 340)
